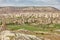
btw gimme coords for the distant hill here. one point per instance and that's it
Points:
(27, 9)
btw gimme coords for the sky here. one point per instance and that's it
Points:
(53, 3)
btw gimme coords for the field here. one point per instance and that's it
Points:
(40, 27)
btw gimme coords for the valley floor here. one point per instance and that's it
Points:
(45, 32)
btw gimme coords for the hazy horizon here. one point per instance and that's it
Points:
(19, 3)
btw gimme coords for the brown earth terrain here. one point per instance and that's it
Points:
(33, 16)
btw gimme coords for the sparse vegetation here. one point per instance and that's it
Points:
(34, 19)
(34, 27)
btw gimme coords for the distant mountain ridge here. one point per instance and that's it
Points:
(28, 9)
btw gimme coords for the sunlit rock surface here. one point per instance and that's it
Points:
(9, 35)
(33, 15)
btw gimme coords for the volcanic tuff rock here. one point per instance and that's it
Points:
(9, 35)
(40, 15)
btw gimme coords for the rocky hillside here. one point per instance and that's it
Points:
(10, 35)
(15, 35)
(27, 9)
(40, 15)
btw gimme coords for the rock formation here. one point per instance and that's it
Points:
(10, 35)
(37, 15)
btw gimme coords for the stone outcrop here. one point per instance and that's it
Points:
(10, 35)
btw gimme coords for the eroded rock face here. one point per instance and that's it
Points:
(31, 15)
(9, 35)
